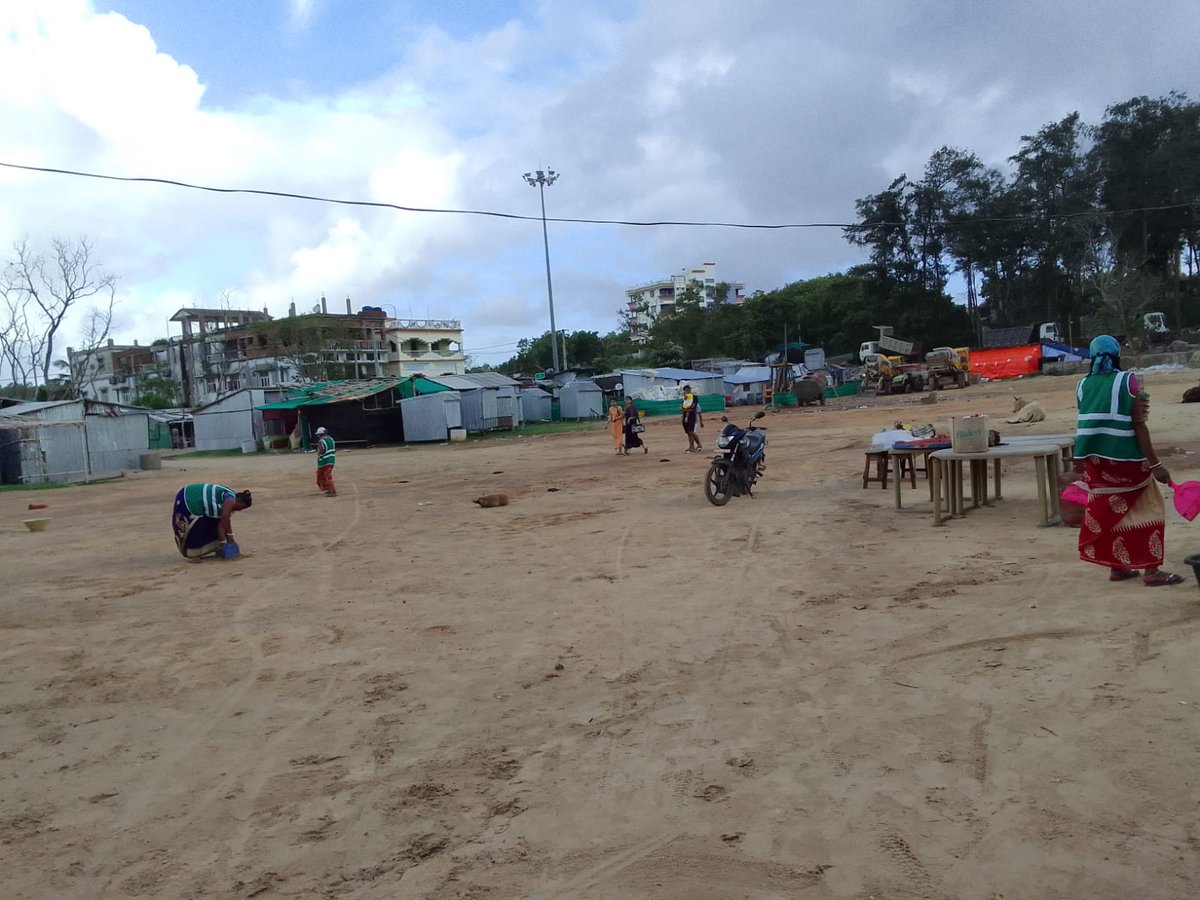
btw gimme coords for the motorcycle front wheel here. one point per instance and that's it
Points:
(716, 485)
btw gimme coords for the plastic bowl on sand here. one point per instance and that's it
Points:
(1187, 499)
(35, 524)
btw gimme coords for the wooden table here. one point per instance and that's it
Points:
(897, 456)
(948, 469)
(1066, 443)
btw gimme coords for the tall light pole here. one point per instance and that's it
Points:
(542, 180)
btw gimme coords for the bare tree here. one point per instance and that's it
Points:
(16, 339)
(50, 289)
(82, 369)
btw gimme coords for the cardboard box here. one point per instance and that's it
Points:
(969, 434)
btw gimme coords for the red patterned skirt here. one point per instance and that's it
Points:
(1124, 522)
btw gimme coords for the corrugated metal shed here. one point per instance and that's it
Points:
(235, 418)
(50, 410)
(430, 416)
(535, 405)
(480, 410)
(116, 442)
(508, 407)
(581, 399)
(34, 451)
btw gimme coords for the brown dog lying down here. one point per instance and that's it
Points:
(487, 501)
(1192, 395)
(1026, 411)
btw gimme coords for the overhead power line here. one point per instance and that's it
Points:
(373, 204)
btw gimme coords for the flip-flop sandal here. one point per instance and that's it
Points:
(1164, 580)
(1122, 574)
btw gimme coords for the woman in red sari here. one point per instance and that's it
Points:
(1124, 522)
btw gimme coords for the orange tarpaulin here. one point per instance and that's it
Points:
(1006, 362)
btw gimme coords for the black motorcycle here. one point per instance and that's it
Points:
(741, 458)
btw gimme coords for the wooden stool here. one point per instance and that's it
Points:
(880, 459)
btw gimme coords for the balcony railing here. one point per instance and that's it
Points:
(410, 355)
(426, 324)
(353, 345)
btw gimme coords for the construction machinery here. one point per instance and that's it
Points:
(892, 375)
(947, 365)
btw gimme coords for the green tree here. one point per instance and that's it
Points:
(1146, 156)
(158, 392)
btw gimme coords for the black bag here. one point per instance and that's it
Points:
(637, 427)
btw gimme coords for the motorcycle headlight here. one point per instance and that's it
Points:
(723, 441)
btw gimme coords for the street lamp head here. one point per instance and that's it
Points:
(540, 178)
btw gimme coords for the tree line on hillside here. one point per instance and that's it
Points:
(1092, 226)
(1092, 222)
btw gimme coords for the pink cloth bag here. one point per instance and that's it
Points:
(1187, 499)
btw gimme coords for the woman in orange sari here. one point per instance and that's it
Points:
(616, 424)
(1124, 521)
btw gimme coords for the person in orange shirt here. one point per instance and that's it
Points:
(616, 424)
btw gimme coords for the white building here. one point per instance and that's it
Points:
(425, 347)
(111, 373)
(647, 302)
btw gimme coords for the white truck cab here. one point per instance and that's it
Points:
(867, 348)
(1048, 331)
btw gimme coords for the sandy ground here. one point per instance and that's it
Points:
(608, 688)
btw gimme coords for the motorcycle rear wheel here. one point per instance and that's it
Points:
(716, 485)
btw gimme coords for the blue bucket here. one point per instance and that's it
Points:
(230, 551)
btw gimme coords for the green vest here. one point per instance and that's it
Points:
(207, 499)
(1105, 426)
(325, 451)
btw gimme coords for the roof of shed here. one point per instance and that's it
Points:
(459, 382)
(749, 375)
(21, 409)
(491, 379)
(672, 373)
(335, 392)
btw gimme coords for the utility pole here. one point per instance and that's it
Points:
(541, 180)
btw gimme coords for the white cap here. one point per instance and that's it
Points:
(321, 430)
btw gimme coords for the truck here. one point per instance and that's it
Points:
(948, 365)
(1039, 333)
(892, 375)
(1155, 325)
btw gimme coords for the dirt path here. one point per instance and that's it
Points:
(608, 688)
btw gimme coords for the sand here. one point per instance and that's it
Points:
(608, 688)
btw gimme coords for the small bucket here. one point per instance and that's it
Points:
(1194, 562)
(230, 551)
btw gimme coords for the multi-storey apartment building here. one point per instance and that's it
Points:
(647, 302)
(113, 372)
(220, 351)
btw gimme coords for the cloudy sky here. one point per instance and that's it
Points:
(760, 111)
